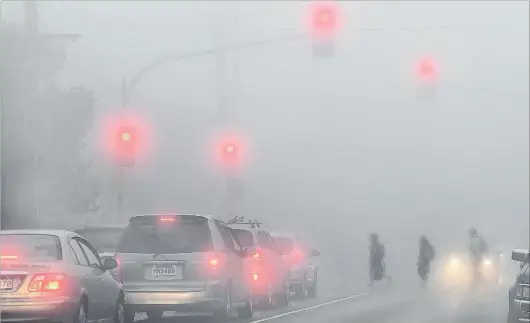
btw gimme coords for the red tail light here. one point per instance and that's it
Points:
(297, 257)
(255, 276)
(47, 282)
(257, 255)
(8, 257)
(116, 272)
(215, 264)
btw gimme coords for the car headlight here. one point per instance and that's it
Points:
(523, 291)
(454, 262)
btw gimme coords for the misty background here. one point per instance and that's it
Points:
(338, 147)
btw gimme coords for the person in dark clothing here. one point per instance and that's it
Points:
(377, 255)
(426, 255)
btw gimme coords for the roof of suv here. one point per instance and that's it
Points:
(208, 217)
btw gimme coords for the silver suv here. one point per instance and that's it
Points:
(189, 264)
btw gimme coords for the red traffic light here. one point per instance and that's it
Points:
(126, 146)
(229, 152)
(324, 19)
(427, 69)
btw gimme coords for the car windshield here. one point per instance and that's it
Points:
(285, 245)
(102, 239)
(30, 247)
(171, 237)
(245, 237)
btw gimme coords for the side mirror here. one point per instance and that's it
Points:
(520, 255)
(110, 263)
(314, 253)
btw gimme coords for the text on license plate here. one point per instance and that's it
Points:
(165, 271)
(6, 284)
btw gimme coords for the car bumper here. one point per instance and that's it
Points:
(521, 310)
(302, 276)
(183, 302)
(55, 310)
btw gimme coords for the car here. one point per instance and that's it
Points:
(270, 274)
(300, 258)
(186, 263)
(103, 238)
(56, 275)
(519, 294)
(457, 269)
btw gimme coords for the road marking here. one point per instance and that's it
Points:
(309, 308)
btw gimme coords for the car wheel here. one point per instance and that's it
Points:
(285, 295)
(247, 311)
(224, 314)
(81, 314)
(312, 291)
(119, 315)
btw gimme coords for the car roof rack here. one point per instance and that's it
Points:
(241, 220)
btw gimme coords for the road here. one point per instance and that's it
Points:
(385, 304)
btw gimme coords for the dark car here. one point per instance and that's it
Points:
(55, 275)
(303, 269)
(270, 274)
(190, 264)
(519, 294)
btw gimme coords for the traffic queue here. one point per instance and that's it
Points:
(189, 264)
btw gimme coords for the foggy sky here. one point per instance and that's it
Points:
(339, 147)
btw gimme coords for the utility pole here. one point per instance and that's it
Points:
(18, 178)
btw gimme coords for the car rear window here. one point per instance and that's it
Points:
(30, 247)
(245, 238)
(102, 239)
(181, 235)
(285, 245)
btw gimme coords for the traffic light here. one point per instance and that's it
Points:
(324, 20)
(230, 153)
(427, 70)
(126, 146)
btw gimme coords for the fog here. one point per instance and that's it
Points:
(339, 147)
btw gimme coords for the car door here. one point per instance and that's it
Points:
(272, 258)
(234, 262)
(91, 280)
(98, 277)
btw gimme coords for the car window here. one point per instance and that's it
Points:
(102, 239)
(245, 237)
(30, 246)
(180, 236)
(285, 245)
(78, 252)
(235, 241)
(92, 256)
(265, 241)
(225, 233)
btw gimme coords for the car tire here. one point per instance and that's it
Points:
(154, 315)
(224, 314)
(81, 315)
(119, 314)
(312, 291)
(246, 312)
(285, 296)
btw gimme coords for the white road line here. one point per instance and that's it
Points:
(308, 308)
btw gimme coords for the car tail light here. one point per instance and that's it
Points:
(257, 255)
(255, 276)
(116, 272)
(47, 282)
(6, 257)
(214, 264)
(297, 257)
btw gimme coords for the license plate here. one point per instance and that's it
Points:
(6, 284)
(167, 271)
